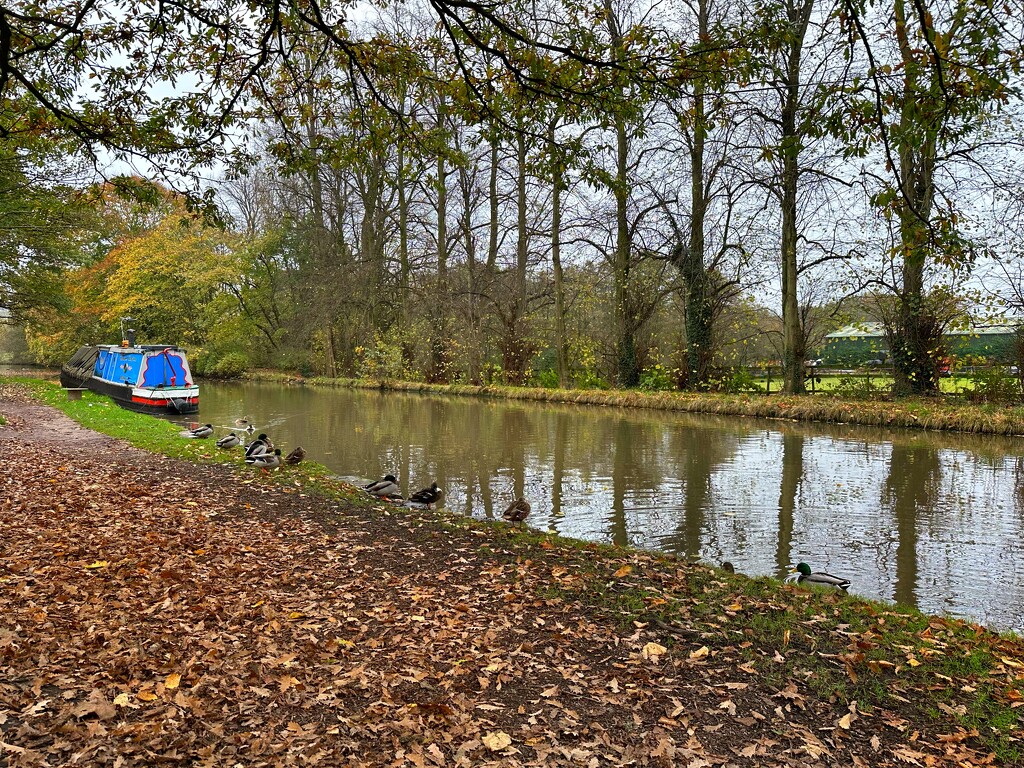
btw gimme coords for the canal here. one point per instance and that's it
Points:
(932, 520)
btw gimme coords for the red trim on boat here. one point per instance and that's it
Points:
(163, 400)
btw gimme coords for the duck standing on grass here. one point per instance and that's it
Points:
(296, 456)
(517, 511)
(230, 440)
(265, 460)
(258, 446)
(427, 498)
(385, 488)
(198, 432)
(803, 575)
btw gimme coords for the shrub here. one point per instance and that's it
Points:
(994, 384)
(739, 380)
(859, 388)
(547, 378)
(658, 378)
(230, 366)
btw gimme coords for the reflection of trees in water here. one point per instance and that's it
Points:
(1018, 485)
(911, 487)
(789, 488)
(693, 456)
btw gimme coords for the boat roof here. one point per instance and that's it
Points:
(139, 347)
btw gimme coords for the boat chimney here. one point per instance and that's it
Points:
(127, 334)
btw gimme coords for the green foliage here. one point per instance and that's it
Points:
(44, 227)
(547, 378)
(860, 387)
(739, 380)
(230, 366)
(993, 384)
(658, 378)
(382, 359)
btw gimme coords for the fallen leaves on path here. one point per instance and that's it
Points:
(152, 612)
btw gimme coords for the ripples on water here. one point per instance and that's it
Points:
(927, 519)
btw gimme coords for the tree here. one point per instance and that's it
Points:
(45, 225)
(932, 86)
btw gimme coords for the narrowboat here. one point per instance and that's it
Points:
(148, 378)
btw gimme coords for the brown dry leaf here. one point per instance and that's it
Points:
(700, 653)
(173, 681)
(96, 704)
(623, 571)
(653, 651)
(908, 755)
(496, 741)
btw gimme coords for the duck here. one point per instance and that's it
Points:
(230, 440)
(385, 488)
(296, 456)
(258, 446)
(242, 421)
(427, 497)
(803, 575)
(728, 567)
(198, 432)
(517, 511)
(265, 460)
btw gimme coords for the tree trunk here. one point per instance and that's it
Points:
(439, 303)
(794, 342)
(561, 341)
(916, 336)
(492, 197)
(627, 371)
(699, 317)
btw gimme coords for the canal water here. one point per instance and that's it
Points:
(933, 520)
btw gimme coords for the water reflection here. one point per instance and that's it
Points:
(926, 519)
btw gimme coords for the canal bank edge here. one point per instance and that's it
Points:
(911, 413)
(917, 675)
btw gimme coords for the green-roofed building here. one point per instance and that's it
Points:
(864, 343)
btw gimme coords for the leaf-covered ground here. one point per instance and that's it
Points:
(156, 612)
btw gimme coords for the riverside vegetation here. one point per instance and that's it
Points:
(528, 647)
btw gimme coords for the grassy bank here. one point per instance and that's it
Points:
(914, 413)
(939, 691)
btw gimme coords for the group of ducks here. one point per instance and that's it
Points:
(387, 488)
(259, 452)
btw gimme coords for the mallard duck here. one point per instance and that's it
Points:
(265, 460)
(385, 488)
(803, 575)
(242, 421)
(258, 446)
(230, 440)
(296, 456)
(198, 432)
(427, 497)
(517, 511)
(728, 567)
